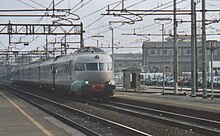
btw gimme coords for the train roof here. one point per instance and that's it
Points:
(89, 49)
(82, 51)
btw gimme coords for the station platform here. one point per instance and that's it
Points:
(183, 99)
(18, 118)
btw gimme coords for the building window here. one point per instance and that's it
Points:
(170, 52)
(188, 52)
(152, 52)
(215, 52)
(120, 65)
(165, 52)
(180, 52)
(200, 51)
(146, 52)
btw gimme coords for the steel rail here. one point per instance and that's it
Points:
(54, 114)
(113, 124)
(197, 124)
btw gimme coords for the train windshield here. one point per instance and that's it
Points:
(91, 66)
(105, 66)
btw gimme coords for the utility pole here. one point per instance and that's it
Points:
(53, 50)
(212, 45)
(163, 21)
(112, 49)
(196, 52)
(81, 36)
(53, 7)
(46, 47)
(7, 55)
(193, 41)
(7, 58)
(65, 47)
(163, 58)
(204, 66)
(175, 50)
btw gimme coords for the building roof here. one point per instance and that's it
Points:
(131, 69)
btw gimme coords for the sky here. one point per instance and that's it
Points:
(95, 23)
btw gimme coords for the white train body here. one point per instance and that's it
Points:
(86, 72)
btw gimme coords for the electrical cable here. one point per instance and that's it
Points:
(80, 6)
(38, 3)
(27, 4)
(58, 3)
(99, 10)
(98, 19)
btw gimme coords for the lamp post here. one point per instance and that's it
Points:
(212, 45)
(162, 22)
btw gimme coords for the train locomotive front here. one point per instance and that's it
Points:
(92, 74)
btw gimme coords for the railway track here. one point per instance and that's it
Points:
(85, 122)
(192, 123)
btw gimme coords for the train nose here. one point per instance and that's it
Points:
(95, 78)
(98, 88)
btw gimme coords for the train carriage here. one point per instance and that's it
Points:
(88, 71)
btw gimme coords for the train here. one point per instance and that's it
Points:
(86, 72)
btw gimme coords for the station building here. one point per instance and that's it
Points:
(153, 58)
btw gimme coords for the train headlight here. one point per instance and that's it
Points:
(111, 82)
(86, 82)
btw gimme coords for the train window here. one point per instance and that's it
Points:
(91, 66)
(79, 67)
(103, 67)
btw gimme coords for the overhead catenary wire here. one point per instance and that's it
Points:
(38, 3)
(148, 25)
(27, 4)
(76, 5)
(126, 8)
(104, 27)
(99, 18)
(112, 8)
(81, 6)
(58, 2)
(45, 13)
(129, 7)
(162, 7)
(99, 10)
